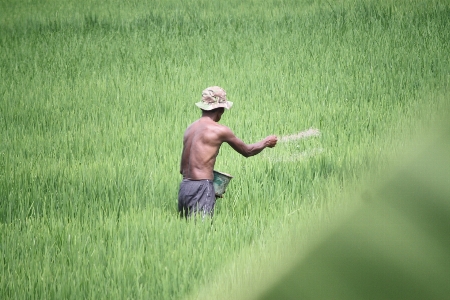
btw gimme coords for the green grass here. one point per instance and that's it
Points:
(94, 100)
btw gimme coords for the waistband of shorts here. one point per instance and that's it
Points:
(196, 180)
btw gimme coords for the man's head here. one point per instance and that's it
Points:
(215, 114)
(214, 97)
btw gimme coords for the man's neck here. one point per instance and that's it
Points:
(209, 115)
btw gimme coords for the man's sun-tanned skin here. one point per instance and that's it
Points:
(202, 141)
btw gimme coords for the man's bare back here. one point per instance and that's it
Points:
(202, 141)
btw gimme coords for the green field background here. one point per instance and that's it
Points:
(94, 100)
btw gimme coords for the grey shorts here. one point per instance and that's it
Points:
(196, 196)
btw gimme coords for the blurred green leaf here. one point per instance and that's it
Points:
(397, 245)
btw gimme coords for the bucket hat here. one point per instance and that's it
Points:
(214, 97)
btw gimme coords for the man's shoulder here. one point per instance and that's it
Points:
(213, 127)
(219, 128)
(209, 125)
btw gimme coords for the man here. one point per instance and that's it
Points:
(201, 143)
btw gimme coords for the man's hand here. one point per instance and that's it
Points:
(271, 141)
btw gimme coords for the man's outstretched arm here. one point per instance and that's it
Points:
(248, 150)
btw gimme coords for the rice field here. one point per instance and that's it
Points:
(94, 100)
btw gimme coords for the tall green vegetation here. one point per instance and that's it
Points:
(94, 100)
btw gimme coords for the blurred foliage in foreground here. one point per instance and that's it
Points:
(396, 245)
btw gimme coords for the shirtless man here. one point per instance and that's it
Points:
(201, 143)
